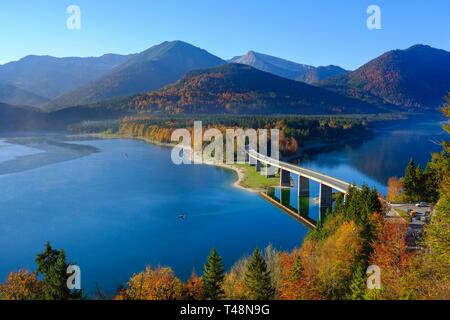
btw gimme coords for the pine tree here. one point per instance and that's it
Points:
(257, 278)
(213, 276)
(357, 285)
(53, 266)
(410, 180)
(297, 269)
(339, 202)
(419, 187)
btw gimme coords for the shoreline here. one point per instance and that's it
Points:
(240, 172)
(240, 175)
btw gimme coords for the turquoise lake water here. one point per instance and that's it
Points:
(114, 205)
(117, 210)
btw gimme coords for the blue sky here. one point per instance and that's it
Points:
(318, 32)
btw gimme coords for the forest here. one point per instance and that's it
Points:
(295, 131)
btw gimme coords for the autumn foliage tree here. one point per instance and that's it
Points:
(22, 285)
(391, 255)
(153, 284)
(395, 192)
(233, 284)
(193, 289)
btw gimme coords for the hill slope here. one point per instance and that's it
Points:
(418, 77)
(151, 69)
(15, 96)
(50, 77)
(14, 118)
(237, 88)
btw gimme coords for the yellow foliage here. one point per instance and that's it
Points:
(158, 284)
(329, 262)
(21, 285)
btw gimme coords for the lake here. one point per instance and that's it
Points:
(115, 209)
(114, 205)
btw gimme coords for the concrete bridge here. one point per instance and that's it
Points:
(327, 183)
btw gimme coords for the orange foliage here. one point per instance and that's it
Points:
(158, 284)
(395, 189)
(390, 251)
(22, 285)
(327, 264)
(193, 289)
(391, 255)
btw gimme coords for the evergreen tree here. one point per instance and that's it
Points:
(213, 276)
(357, 285)
(410, 180)
(52, 265)
(360, 204)
(297, 269)
(257, 279)
(339, 202)
(419, 184)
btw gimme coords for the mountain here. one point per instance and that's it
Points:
(50, 77)
(274, 65)
(12, 95)
(238, 88)
(415, 78)
(318, 74)
(151, 69)
(287, 69)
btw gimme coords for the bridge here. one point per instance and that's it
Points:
(327, 183)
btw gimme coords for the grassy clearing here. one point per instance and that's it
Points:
(254, 180)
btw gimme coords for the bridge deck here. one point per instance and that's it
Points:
(332, 182)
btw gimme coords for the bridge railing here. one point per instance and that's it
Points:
(296, 168)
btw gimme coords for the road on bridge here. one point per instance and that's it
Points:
(332, 182)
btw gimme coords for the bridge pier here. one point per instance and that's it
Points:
(258, 166)
(285, 178)
(269, 171)
(251, 160)
(326, 196)
(303, 186)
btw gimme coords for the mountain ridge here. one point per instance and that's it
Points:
(151, 69)
(49, 76)
(415, 78)
(287, 69)
(239, 88)
(13, 95)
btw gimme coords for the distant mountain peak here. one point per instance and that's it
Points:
(419, 47)
(151, 69)
(287, 69)
(49, 77)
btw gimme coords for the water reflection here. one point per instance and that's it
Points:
(26, 153)
(373, 161)
(304, 208)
